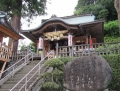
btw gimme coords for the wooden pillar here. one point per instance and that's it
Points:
(37, 48)
(70, 44)
(11, 48)
(43, 49)
(12, 44)
(46, 47)
(1, 38)
(3, 67)
(41, 53)
(56, 49)
(87, 37)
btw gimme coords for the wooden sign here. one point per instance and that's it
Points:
(90, 73)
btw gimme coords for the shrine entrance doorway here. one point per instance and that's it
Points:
(52, 45)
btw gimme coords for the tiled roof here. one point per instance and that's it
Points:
(4, 22)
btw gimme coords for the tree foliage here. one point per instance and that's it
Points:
(55, 63)
(82, 3)
(50, 86)
(114, 62)
(111, 28)
(54, 79)
(30, 46)
(16, 9)
(111, 39)
(100, 8)
(25, 8)
(111, 31)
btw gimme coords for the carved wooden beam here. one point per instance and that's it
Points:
(51, 24)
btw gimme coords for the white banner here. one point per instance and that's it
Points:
(70, 38)
(40, 45)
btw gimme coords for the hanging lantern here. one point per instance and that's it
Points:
(70, 40)
(40, 43)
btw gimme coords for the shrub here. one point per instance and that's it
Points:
(111, 39)
(65, 60)
(50, 86)
(54, 62)
(111, 28)
(114, 62)
(53, 80)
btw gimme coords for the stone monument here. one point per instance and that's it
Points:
(88, 73)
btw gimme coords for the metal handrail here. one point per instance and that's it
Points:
(12, 69)
(25, 78)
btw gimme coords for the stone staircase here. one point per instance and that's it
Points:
(19, 75)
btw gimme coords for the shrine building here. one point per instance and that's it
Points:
(66, 31)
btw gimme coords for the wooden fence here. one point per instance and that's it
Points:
(17, 55)
(87, 49)
(5, 52)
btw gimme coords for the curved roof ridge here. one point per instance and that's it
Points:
(50, 20)
(69, 21)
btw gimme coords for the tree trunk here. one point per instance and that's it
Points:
(16, 25)
(15, 21)
(119, 21)
(117, 7)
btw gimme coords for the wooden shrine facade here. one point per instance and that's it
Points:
(6, 50)
(55, 31)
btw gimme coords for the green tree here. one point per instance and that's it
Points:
(100, 8)
(82, 3)
(103, 14)
(22, 8)
(53, 80)
(23, 47)
(32, 47)
(111, 29)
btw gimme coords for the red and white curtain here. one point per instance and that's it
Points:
(40, 45)
(70, 40)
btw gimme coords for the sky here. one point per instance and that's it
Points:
(58, 7)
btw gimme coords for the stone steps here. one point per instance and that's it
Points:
(19, 75)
